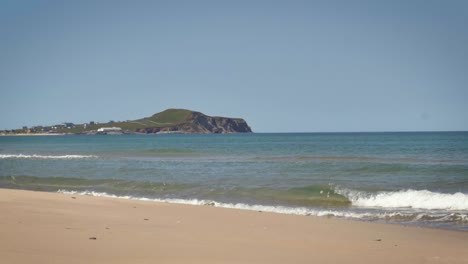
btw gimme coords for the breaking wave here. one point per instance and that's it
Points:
(34, 156)
(403, 216)
(242, 206)
(416, 199)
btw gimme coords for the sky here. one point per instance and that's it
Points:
(283, 66)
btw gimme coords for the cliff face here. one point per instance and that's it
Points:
(197, 122)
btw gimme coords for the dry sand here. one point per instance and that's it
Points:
(38, 227)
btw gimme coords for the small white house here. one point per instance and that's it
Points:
(110, 129)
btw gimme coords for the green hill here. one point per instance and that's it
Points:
(168, 121)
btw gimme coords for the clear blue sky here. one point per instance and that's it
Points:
(284, 66)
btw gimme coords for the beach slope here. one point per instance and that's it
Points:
(37, 227)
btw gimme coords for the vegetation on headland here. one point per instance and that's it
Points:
(168, 121)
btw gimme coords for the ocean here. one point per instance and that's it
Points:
(414, 178)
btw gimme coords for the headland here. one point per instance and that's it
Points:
(170, 121)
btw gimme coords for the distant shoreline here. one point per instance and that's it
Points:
(169, 121)
(32, 134)
(187, 133)
(112, 133)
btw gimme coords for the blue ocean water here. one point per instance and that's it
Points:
(409, 178)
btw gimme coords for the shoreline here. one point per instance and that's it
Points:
(32, 134)
(336, 213)
(41, 227)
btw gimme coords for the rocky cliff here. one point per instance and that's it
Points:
(194, 122)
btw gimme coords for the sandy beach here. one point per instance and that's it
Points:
(39, 227)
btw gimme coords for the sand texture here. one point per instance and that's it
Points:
(38, 227)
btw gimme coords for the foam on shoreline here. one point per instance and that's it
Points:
(407, 216)
(34, 156)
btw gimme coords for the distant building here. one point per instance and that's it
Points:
(69, 125)
(110, 129)
(91, 123)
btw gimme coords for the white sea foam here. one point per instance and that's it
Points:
(34, 156)
(417, 199)
(265, 208)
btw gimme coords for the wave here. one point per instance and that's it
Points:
(35, 156)
(335, 198)
(243, 206)
(308, 196)
(366, 159)
(405, 216)
(417, 199)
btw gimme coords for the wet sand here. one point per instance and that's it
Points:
(39, 227)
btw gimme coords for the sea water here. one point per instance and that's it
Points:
(405, 178)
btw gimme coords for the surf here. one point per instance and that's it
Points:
(36, 156)
(416, 199)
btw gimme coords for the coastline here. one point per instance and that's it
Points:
(45, 227)
(32, 134)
